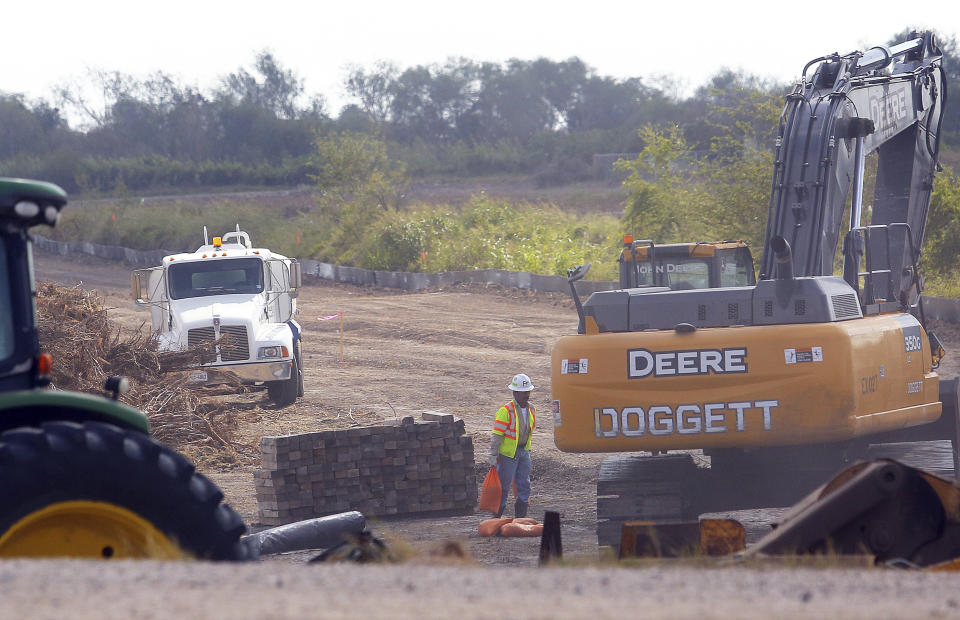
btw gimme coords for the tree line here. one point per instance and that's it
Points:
(259, 127)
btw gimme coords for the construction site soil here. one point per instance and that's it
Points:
(450, 350)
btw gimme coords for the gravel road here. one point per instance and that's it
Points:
(94, 590)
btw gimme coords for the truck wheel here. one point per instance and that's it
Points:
(96, 490)
(285, 392)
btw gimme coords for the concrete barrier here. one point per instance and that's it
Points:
(420, 281)
(141, 258)
(942, 309)
(351, 275)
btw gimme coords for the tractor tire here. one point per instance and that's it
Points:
(96, 490)
(285, 393)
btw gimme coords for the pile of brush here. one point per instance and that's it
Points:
(87, 347)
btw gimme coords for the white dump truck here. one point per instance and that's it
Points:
(234, 304)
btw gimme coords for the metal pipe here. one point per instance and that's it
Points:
(572, 276)
(878, 57)
(856, 207)
(784, 256)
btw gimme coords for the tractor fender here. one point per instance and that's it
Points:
(34, 407)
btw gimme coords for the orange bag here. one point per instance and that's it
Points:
(521, 529)
(491, 492)
(525, 521)
(490, 527)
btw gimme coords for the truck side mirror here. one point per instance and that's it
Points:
(140, 285)
(296, 277)
(135, 287)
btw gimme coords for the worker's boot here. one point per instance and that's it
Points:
(503, 507)
(520, 509)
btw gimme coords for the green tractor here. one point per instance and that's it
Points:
(79, 474)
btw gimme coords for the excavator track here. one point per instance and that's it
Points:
(673, 487)
(633, 487)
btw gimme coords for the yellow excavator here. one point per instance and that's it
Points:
(783, 382)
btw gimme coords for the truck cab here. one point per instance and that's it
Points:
(235, 306)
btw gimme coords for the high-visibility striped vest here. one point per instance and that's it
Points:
(506, 424)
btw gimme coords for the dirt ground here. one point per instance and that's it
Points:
(452, 350)
(86, 590)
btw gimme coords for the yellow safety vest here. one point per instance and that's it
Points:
(506, 424)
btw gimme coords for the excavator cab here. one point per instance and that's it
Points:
(685, 266)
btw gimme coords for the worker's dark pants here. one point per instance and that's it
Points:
(515, 470)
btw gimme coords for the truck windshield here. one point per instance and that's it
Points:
(6, 308)
(216, 277)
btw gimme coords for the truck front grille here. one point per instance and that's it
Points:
(233, 343)
(200, 336)
(201, 340)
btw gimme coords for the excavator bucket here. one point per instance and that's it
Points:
(713, 537)
(882, 508)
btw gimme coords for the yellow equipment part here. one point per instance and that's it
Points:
(706, 537)
(737, 387)
(641, 252)
(87, 529)
(897, 514)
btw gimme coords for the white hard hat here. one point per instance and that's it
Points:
(521, 383)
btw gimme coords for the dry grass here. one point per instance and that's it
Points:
(87, 347)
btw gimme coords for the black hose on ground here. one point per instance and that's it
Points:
(320, 533)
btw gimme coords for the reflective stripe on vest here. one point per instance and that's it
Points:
(508, 429)
(512, 426)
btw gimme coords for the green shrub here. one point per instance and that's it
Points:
(485, 233)
(942, 243)
(488, 233)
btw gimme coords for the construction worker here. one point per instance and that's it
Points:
(510, 444)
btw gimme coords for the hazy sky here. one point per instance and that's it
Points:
(47, 43)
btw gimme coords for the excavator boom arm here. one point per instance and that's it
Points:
(889, 100)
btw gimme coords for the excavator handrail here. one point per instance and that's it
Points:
(867, 297)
